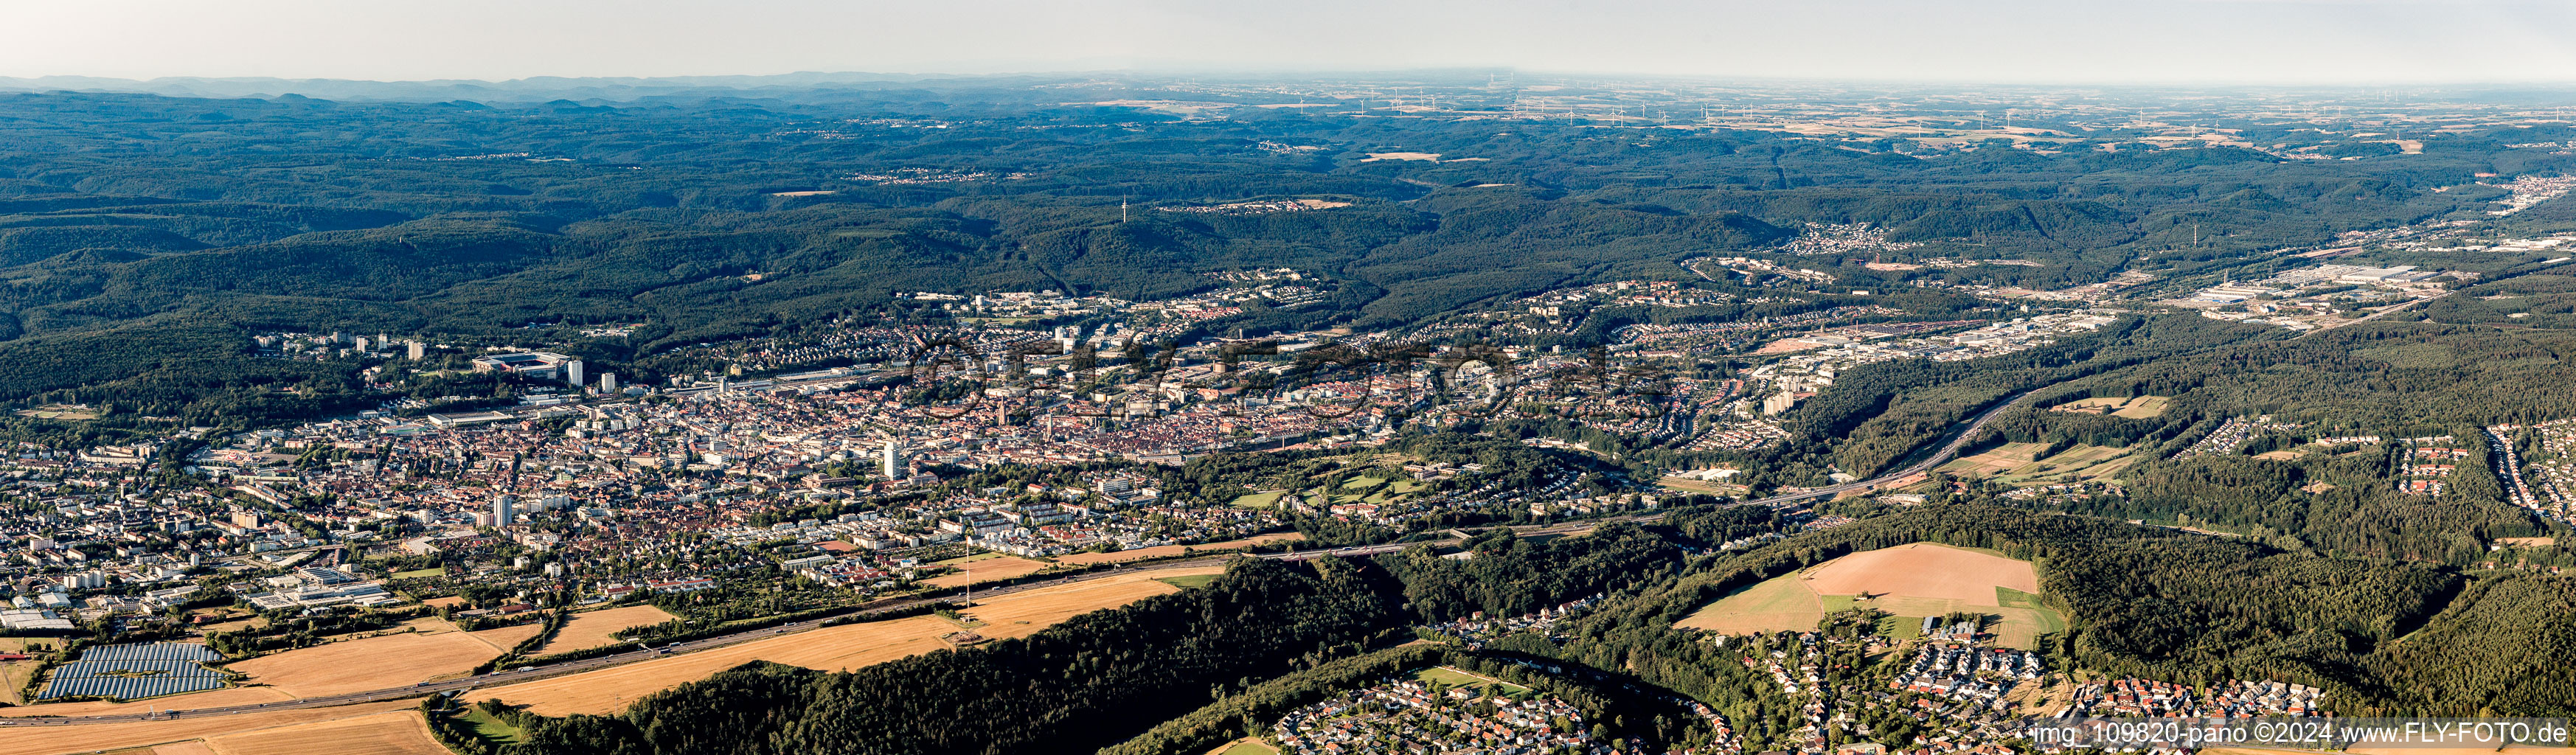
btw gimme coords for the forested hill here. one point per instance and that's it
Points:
(726, 213)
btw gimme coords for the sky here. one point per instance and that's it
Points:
(2287, 42)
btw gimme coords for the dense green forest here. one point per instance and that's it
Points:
(151, 233)
(2391, 381)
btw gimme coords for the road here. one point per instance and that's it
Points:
(1941, 456)
(2374, 315)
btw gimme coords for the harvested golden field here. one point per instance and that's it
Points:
(1923, 570)
(836, 648)
(590, 629)
(434, 649)
(503, 638)
(55, 740)
(1998, 460)
(1907, 581)
(400, 732)
(2134, 407)
(987, 570)
(1160, 551)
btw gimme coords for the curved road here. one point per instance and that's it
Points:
(1940, 456)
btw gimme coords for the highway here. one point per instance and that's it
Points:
(1942, 455)
(2374, 315)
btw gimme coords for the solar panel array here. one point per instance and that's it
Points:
(157, 651)
(135, 671)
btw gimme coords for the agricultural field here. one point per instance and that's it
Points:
(503, 638)
(1161, 551)
(231, 621)
(1194, 580)
(837, 648)
(1909, 581)
(590, 629)
(985, 568)
(2133, 407)
(2021, 464)
(433, 649)
(1690, 485)
(1770, 606)
(209, 735)
(1998, 460)
(398, 732)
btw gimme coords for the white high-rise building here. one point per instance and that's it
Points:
(893, 459)
(608, 383)
(572, 373)
(504, 508)
(419, 351)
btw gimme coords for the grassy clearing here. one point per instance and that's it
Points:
(2144, 407)
(1246, 747)
(1459, 678)
(429, 573)
(968, 559)
(60, 412)
(2011, 598)
(492, 729)
(1262, 500)
(15, 676)
(1773, 605)
(1188, 581)
(1901, 628)
(28, 644)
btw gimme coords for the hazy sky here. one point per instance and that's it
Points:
(2249, 41)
